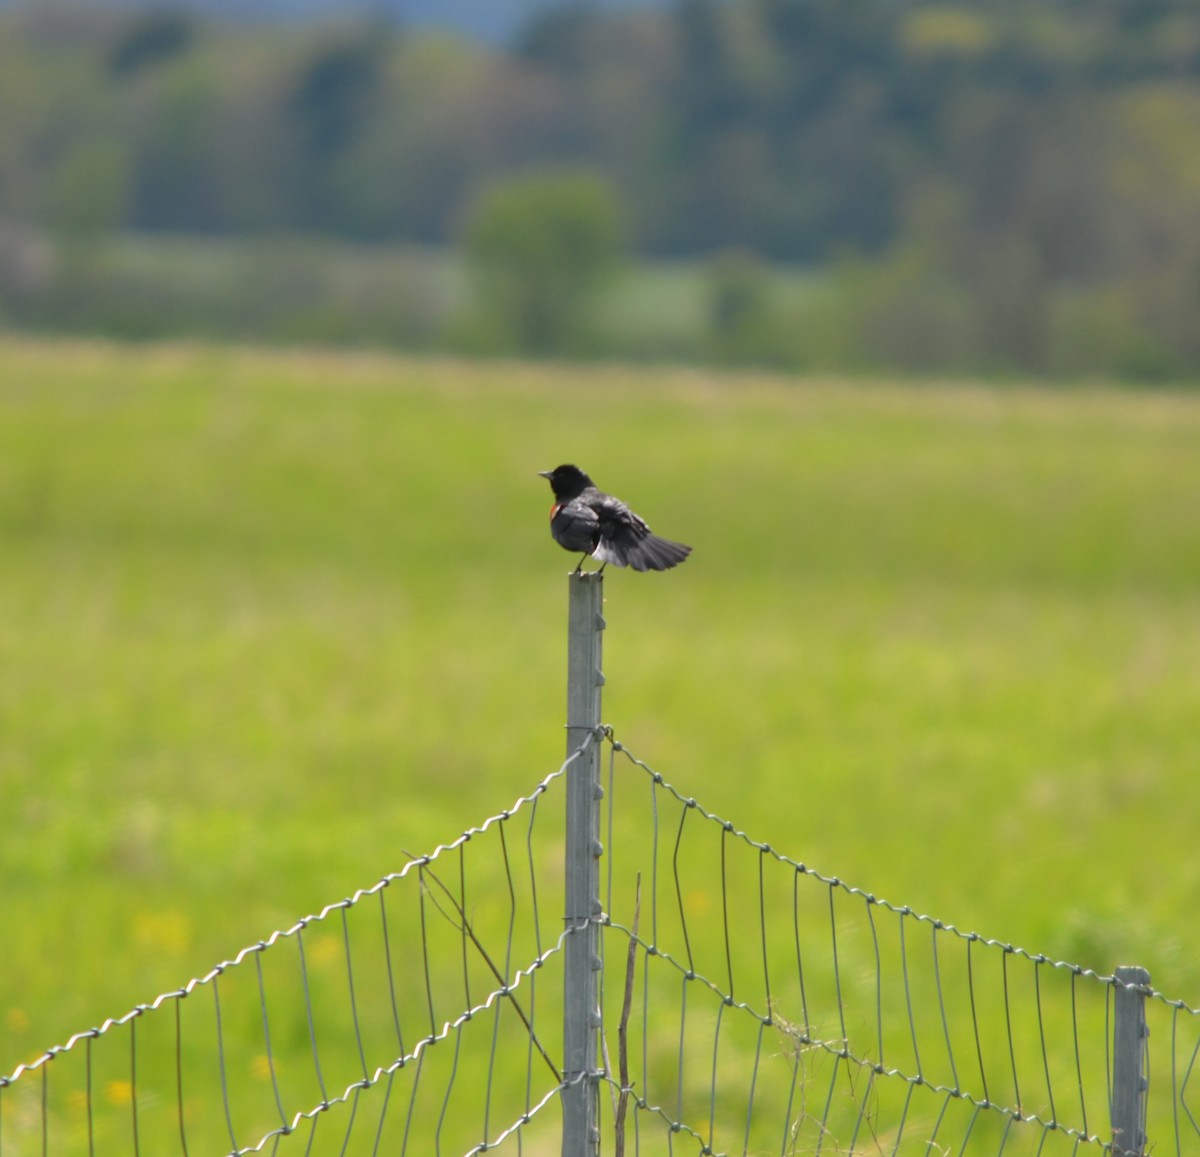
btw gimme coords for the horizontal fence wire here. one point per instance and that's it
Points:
(750, 1004)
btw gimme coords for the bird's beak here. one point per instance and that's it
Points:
(545, 473)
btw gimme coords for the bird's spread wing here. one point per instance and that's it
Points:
(620, 530)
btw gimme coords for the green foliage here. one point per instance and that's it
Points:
(541, 247)
(263, 290)
(998, 176)
(89, 189)
(744, 320)
(791, 127)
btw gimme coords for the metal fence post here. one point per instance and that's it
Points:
(1129, 1048)
(581, 983)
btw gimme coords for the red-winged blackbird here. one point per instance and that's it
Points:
(601, 526)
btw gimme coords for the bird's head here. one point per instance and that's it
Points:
(566, 481)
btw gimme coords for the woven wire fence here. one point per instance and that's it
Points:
(420, 1015)
(765, 1007)
(749, 1004)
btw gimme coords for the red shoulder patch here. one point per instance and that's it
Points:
(554, 510)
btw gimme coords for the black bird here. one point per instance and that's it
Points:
(586, 519)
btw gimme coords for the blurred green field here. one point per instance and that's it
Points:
(270, 618)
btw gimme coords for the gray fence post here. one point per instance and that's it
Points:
(581, 983)
(1129, 1049)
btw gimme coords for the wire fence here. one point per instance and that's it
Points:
(386, 1023)
(737, 1001)
(750, 1004)
(781, 1010)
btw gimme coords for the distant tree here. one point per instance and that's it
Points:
(151, 38)
(558, 36)
(176, 128)
(739, 293)
(333, 101)
(747, 322)
(88, 190)
(331, 94)
(541, 246)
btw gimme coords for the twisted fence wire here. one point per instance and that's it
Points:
(749, 1004)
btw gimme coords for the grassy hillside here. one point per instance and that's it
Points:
(270, 618)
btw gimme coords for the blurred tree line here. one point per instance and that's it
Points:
(1008, 185)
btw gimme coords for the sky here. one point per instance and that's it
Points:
(491, 20)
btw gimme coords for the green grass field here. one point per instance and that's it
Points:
(270, 618)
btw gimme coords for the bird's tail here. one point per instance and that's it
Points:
(654, 553)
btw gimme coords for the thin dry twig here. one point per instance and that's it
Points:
(464, 925)
(623, 1028)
